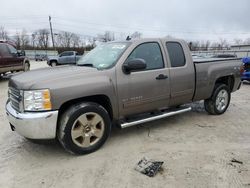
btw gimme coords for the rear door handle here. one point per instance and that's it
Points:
(161, 77)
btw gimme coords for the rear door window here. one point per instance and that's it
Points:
(4, 51)
(176, 54)
(70, 53)
(12, 49)
(63, 54)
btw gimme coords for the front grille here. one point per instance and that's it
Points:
(15, 98)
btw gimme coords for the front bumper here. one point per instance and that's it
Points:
(33, 125)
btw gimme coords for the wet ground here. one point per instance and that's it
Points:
(198, 150)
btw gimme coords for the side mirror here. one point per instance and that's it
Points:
(135, 64)
(20, 53)
(15, 54)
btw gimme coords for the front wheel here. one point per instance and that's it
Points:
(84, 128)
(219, 101)
(53, 64)
(26, 66)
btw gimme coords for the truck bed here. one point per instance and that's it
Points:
(210, 60)
(207, 71)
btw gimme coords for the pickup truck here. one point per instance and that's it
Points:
(117, 83)
(11, 60)
(67, 57)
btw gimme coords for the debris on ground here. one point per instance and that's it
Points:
(205, 126)
(236, 161)
(148, 167)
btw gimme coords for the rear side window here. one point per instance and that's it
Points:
(176, 54)
(151, 53)
(64, 54)
(4, 51)
(70, 53)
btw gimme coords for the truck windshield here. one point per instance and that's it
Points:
(103, 56)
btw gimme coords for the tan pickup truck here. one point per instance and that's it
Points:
(118, 83)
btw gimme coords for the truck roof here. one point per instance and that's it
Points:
(150, 39)
(8, 42)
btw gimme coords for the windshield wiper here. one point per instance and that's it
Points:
(87, 65)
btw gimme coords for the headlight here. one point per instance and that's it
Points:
(37, 100)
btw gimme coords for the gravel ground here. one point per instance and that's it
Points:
(196, 148)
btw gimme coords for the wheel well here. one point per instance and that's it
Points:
(103, 100)
(228, 80)
(53, 60)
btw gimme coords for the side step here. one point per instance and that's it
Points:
(156, 117)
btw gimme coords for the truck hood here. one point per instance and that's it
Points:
(49, 77)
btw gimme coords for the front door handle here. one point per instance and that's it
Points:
(161, 77)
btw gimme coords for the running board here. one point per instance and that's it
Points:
(163, 115)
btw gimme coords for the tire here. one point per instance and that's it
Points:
(53, 64)
(26, 66)
(84, 128)
(218, 103)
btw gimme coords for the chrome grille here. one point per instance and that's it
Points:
(15, 98)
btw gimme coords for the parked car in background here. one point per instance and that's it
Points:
(118, 83)
(67, 57)
(11, 60)
(40, 57)
(246, 73)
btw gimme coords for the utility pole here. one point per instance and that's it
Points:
(51, 32)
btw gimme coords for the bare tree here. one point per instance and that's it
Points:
(238, 41)
(109, 36)
(41, 38)
(216, 45)
(106, 37)
(24, 39)
(76, 41)
(223, 44)
(67, 39)
(3, 34)
(17, 40)
(64, 39)
(136, 35)
(247, 41)
(207, 45)
(21, 40)
(195, 45)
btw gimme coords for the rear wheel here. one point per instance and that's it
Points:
(84, 128)
(219, 101)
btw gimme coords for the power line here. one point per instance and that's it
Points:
(95, 25)
(144, 29)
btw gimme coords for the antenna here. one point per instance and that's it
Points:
(128, 38)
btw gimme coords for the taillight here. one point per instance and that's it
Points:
(242, 69)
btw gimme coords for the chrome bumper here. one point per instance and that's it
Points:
(33, 125)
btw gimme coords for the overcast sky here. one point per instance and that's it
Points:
(188, 19)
